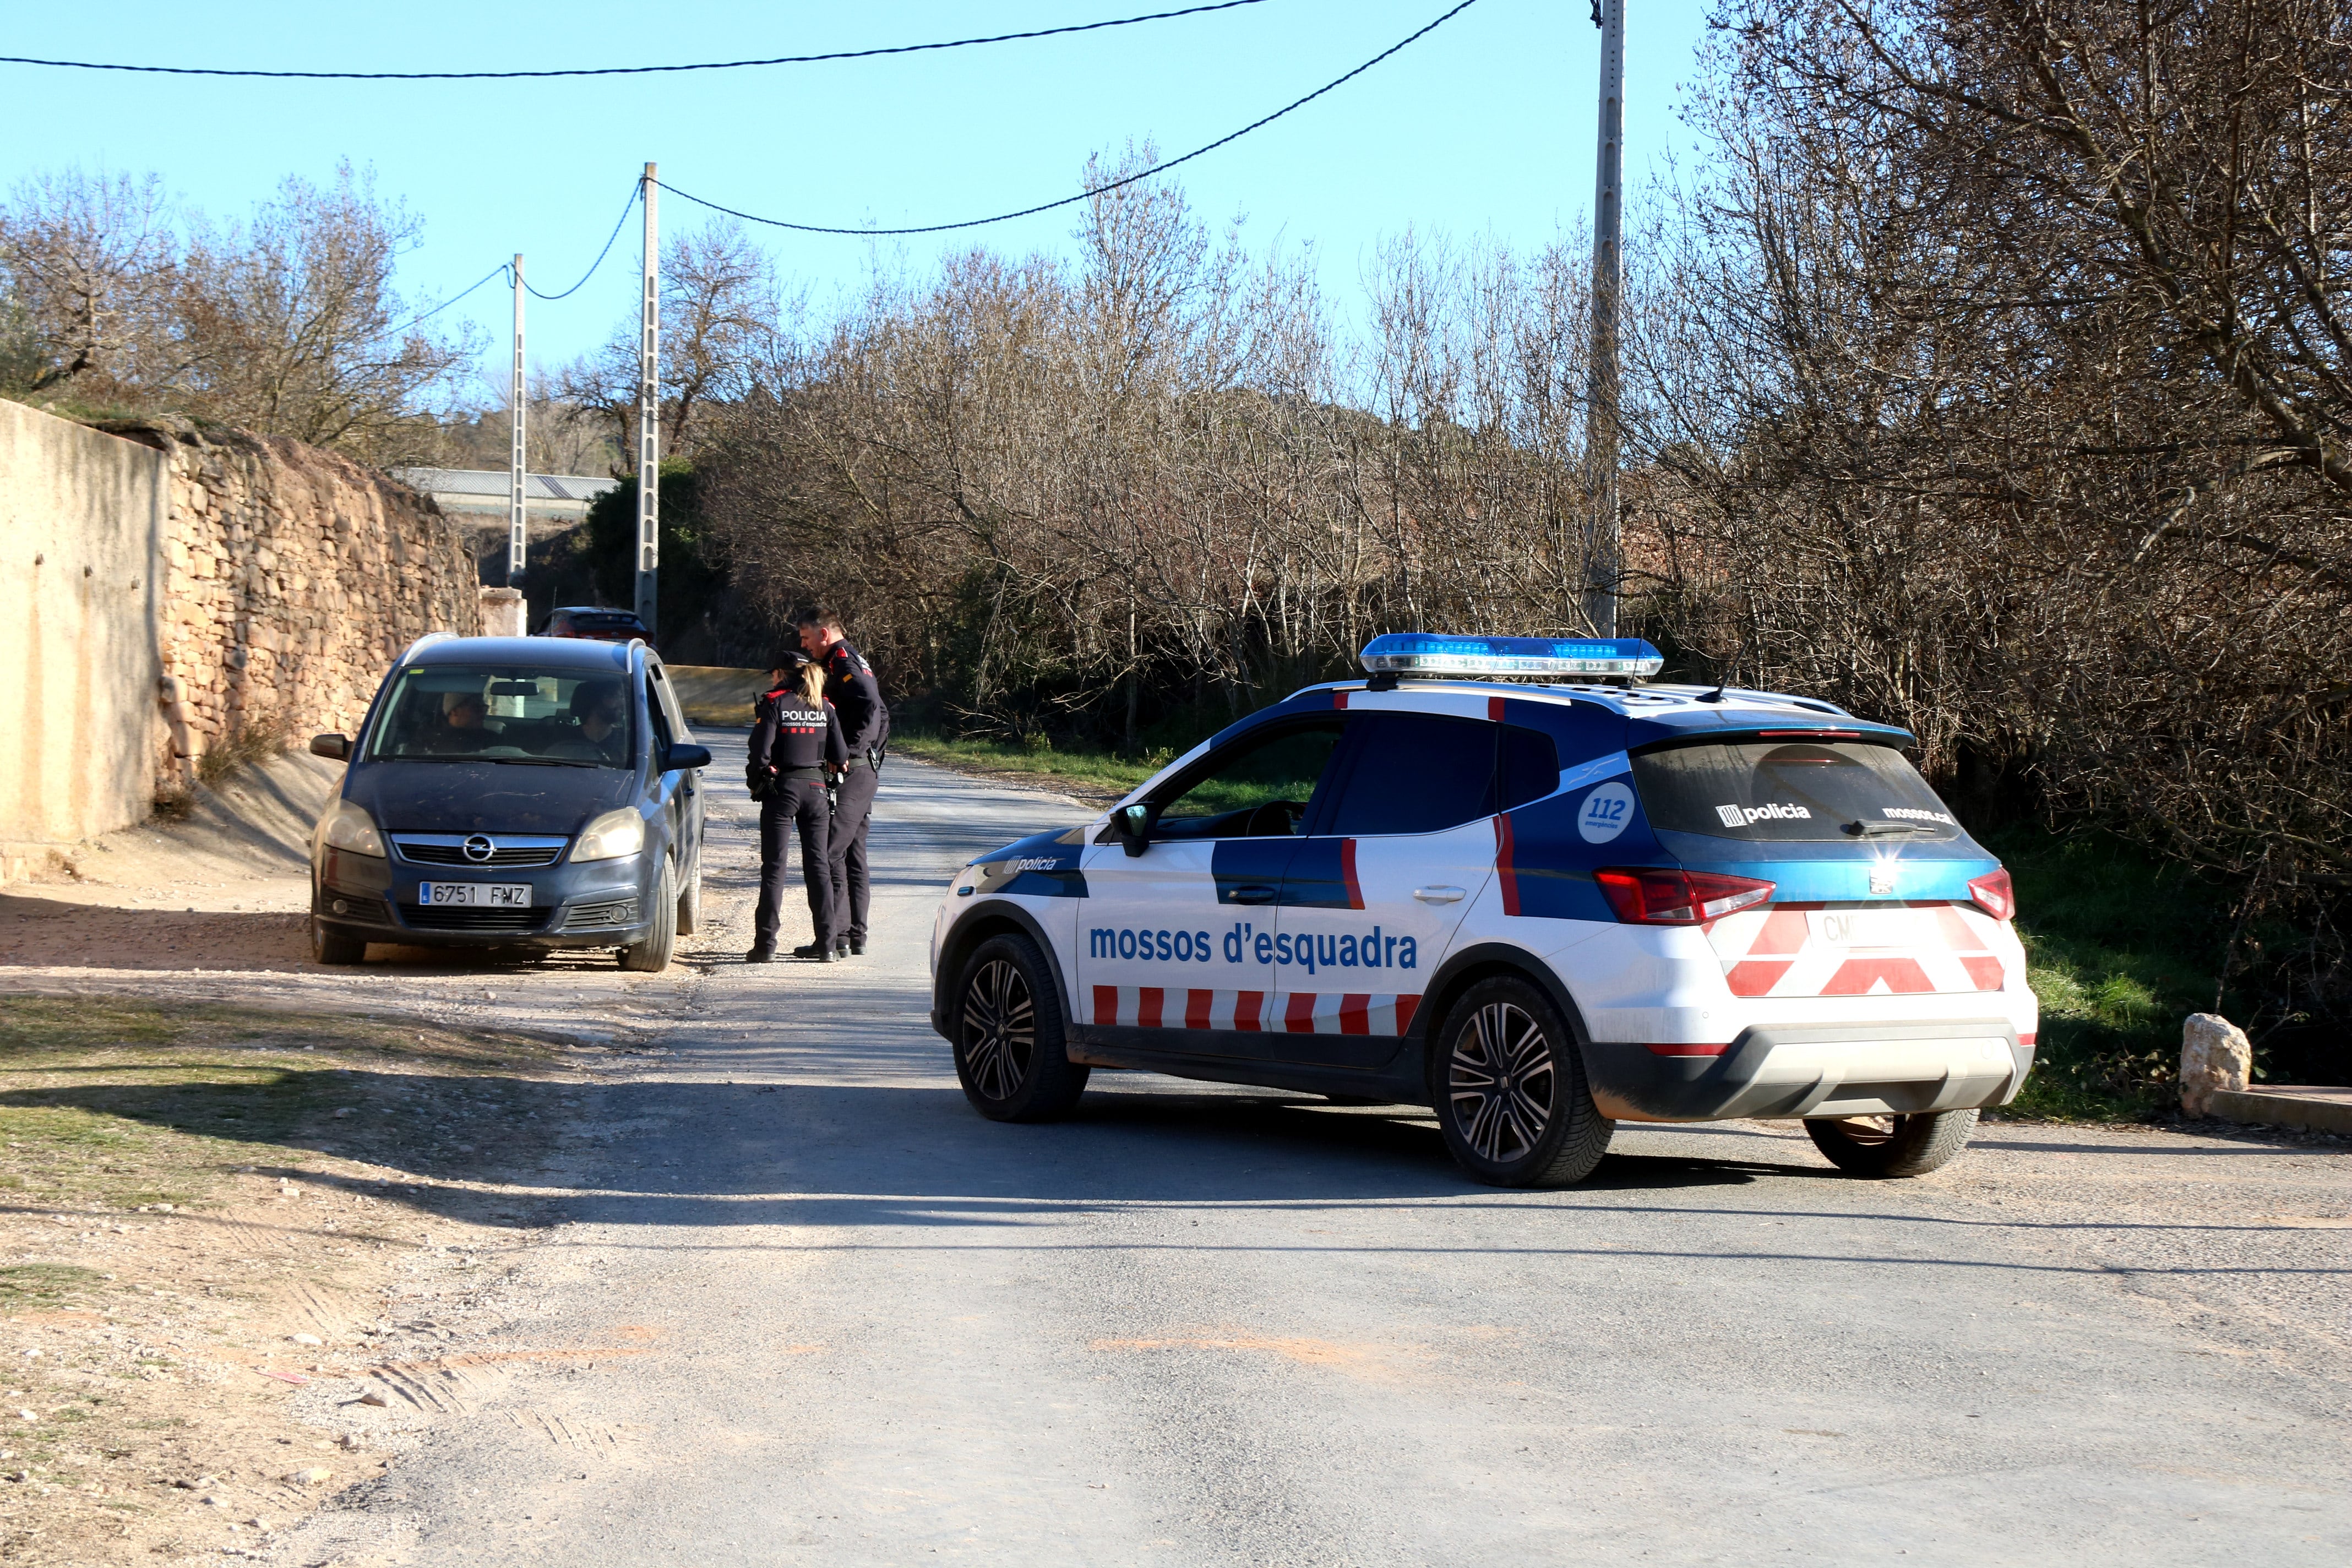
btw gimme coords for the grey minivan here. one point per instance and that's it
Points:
(513, 792)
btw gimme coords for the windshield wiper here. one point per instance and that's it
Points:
(1885, 829)
(542, 762)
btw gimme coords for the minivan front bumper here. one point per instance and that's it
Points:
(600, 903)
(1815, 1070)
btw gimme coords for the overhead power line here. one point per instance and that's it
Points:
(630, 70)
(636, 190)
(501, 270)
(1098, 190)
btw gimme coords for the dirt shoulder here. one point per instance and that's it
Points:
(235, 1241)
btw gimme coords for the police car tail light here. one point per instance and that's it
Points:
(1994, 896)
(1439, 654)
(1653, 896)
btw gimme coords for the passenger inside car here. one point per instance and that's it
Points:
(463, 723)
(597, 706)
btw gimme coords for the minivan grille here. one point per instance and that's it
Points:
(448, 917)
(533, 854)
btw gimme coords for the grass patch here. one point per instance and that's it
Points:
(43, 1284)
(1080, 773)
(114, 1103)
(2119, 947)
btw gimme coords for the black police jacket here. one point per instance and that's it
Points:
(850, 686)
(790, 734)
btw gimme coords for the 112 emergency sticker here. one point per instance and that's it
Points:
(1606, 812)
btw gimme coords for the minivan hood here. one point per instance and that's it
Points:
(486, 798)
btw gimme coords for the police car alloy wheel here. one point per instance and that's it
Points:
(1511, 1094)
(1891, 1145)
(1009, 1050)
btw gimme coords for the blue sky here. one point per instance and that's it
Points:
(1483, 127)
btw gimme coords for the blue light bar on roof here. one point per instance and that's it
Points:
(1436, 653)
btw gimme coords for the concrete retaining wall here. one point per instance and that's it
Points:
(82, 524)
(714, 694)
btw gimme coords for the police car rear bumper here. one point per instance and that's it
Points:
(1822, 1070)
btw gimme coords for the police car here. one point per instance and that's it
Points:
(1503, 878)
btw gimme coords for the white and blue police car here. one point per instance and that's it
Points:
(1504, 878)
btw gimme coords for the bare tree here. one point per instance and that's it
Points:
(87, 263)
(289, 323)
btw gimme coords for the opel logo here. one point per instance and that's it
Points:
(479, 848)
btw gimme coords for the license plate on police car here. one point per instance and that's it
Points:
(474, 895)
(1868, 927)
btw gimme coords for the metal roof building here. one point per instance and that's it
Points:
(547, 498)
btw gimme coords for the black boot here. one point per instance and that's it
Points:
(814, 950)
(841, 947)
(857, 947)
(762, 952)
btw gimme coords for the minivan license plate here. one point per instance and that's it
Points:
(474, 895)
(1866, 928)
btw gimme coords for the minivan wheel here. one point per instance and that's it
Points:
(1010, 1051)
(1511, 1095)
(1883, 1146)
(651, 956)
(330, 946)
(689, 899)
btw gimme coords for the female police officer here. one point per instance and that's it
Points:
(795, 743)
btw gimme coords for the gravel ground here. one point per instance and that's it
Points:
(804, 1306)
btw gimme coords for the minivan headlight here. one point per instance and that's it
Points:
(350, 828)
(612, 836)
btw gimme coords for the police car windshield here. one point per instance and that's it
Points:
(1785, 791)
(550, 718)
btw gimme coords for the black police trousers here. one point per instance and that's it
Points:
(850, 819)
(795, 802)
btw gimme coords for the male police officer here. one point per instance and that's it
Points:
(850, 686)
(795, 744)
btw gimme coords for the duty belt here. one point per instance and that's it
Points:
(800, 776)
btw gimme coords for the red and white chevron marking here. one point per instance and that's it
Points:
(1777, 951)
(1289, 1011)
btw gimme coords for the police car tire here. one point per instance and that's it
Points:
(330, 946)
(1574, 1135)
(1003, 1082)
(651, 956)
(1917, 1144)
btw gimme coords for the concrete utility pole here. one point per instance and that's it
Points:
(518, 471)
(1601, 543)
(649, 420)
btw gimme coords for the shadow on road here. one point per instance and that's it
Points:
(846, 1166)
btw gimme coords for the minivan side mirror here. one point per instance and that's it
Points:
(1133, 825)
(682, 754)
(337, 747)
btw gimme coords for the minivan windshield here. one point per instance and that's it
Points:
(1790, 791)
(569, 718)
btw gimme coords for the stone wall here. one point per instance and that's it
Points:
(294, 579)
(82, 559)
(169, 593)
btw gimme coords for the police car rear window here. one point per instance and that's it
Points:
(1790, 791)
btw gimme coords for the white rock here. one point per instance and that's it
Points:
(311, 1475)
(306, 1339)
(2214, 1055)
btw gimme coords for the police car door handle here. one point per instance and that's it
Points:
(1255, 894)
(1438, 895)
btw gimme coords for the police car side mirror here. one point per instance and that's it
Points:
(335, 746)
(1133, 824)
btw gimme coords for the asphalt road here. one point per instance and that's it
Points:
(808, 1308)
